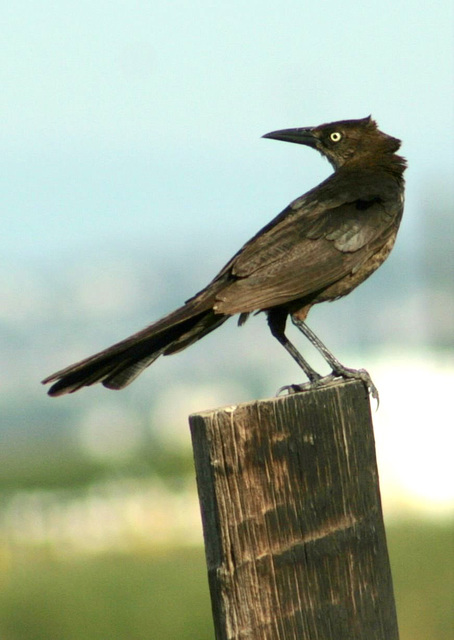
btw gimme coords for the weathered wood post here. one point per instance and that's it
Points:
(293, 525)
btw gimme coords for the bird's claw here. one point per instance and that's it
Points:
(364, 377)
(349, 374)
(326, 381)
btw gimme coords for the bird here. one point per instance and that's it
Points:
(319, 248)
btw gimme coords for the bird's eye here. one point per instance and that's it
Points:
(335, 136)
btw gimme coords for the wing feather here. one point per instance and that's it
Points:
(308, 250)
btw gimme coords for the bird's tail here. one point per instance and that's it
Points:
(121, 363)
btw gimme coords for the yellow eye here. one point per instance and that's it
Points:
(335, 136)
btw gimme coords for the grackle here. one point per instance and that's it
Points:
(322, 246)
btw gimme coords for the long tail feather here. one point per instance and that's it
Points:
(119, 365)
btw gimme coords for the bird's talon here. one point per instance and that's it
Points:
(347, 374)
(363, 376)
(289, 389)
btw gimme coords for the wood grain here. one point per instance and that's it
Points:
(294, 535)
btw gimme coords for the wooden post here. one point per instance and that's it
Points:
(292, 518)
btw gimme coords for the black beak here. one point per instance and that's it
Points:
(299, 136)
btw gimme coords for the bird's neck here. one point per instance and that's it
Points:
(390, 163)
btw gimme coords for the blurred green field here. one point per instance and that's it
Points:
(118, 597)
(162, 595)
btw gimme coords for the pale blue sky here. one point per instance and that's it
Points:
(120, 120)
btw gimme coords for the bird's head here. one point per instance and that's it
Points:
(343, 141)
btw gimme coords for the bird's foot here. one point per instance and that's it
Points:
(342, 372)
(358, 374)
(314, 381)
(324, 381)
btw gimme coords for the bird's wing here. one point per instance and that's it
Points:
(307, 248)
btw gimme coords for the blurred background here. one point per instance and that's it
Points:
(132, 169)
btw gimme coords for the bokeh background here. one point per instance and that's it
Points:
(132, 168)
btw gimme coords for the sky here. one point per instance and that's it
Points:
(141, 122)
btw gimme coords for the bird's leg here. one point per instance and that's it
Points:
(276, 323)
(338, 369)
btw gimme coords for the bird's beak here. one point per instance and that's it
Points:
(299, 136)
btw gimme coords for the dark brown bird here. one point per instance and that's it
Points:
(322, 246)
